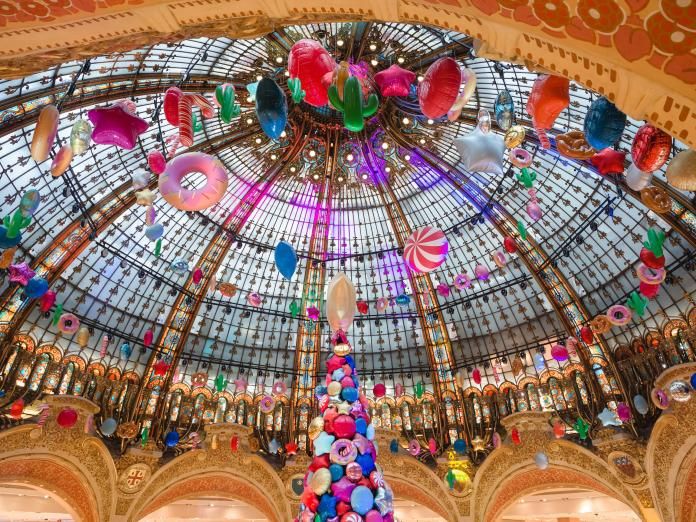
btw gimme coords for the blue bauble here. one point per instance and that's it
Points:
(271, 108)
(108, 426)
(172, 439)
(285, 259)
(320, 391)
(403, 300)
(36, 287)
(350, 362)
(693, 381)
(349, 394)
(459, 446)
(394, 446)
(361, 425)
(504, 109)
(126, 350)
(8, 242)
(336, 472)
(604, 124)
(361, 500)
(539, 362)
(370, 432)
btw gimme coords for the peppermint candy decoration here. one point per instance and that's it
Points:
(426, 249)
(351, 517)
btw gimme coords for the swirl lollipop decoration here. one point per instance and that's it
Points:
(426, 249)
(344, 474)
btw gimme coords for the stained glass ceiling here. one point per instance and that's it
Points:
(351, 184)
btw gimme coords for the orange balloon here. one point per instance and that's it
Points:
(340, 303)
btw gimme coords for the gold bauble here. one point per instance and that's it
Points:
(127, 430)
(514, 136)
(681, 172)
(334, 388)
(342, 349)
(315, 427)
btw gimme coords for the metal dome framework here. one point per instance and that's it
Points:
(88, 239)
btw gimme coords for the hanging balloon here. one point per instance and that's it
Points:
(558, 429)
(609, 161)
(379, 390)
(340, 303)
(504, 110)
(154, 232)
(539, 362)
(271, 108)
(254, 299)
(459, 446)
(482, 273)
(394, 81)
(80, 137)
(604, 124)
(36, 287)
(108, 426)
(469, 81)
(439, 88)
(147, 338)
(559, 352)
(549, 97)
(481, 150)
(681, 172)
(48, 299)
(29, 203)
(61, 161)
(541, 460)
(172, 439)
(156, 161)
(67, 418)
(425, 249)
(651, 148)
(309, 62)
(641, 404)
(44, 133)
(197, 275)
(83, 336)
(476, 375)
(17, 408)
(509, 245)
(285, 259)
(353, 106)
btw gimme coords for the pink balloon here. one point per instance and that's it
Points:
(439, 89)
(394, 81)
(156, 161)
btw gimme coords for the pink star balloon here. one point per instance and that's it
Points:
(313, 313)
(342, 489)
(21, 273)
(116, 125)
(394, 81)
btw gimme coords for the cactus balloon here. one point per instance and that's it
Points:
(527, 177)
(224, 95)
(353, 107)
(296, 92)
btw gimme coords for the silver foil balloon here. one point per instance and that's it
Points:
(481, 150)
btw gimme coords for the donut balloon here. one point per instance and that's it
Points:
(650, 149)
(309, 62)
(198, 199)
(426, 249)
(440, 87)
(604, 124)
(549, 97)
(469, 80)
(44, 133)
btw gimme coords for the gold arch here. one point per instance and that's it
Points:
(611, 49)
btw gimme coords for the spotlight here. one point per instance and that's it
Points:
(279, 59)
(339, 43)
(385, 145)
(312, 153)
(350, 157)
(373, 47)
(259, 77)
(407, 157)
(400, 59)
(374, 62)
(249, 121)
(258, 141)
(405, 121)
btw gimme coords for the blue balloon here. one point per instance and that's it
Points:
(126, 350)
(361, 500)
(394, 446)
(108, 426)
(539, 362)
(271, 108)
(172, 439)
(459, 446)
(504, 109)
(154, 232)
(349, 394)
(9, 242)
(336, 472)
(370, 432)
(36, 287)
(693, 381)
(604, 124)
(403, 300)
(350, 362)
(30, 202)
(320, 390)
(361, 425)
(367, 463)
(285, 259)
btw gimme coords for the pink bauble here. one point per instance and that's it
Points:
(66, 418)
(353, 471)
(439, 89)
(379, 390)
(373, 516)
(623, 412)
(344, 426)
(309, 62)
(559, 352)
(534, 211)
(426, 249)
(482, 273)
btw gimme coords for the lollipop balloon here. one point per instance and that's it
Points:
(426, 249)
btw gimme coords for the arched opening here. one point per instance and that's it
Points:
(65, 488)
(567, 504)
(19, 501)
(206, 507)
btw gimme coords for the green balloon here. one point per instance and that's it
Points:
(354, 109)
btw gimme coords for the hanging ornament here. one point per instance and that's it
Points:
(504, 110)
(425, 249)
(604, 124)
(481, 150)
(439, 88)
(309, 62)
(549, 97)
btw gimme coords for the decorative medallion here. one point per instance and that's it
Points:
(134, 478)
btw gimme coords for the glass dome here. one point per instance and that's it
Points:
(345, 201)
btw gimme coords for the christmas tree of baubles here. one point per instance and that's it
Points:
(344, 483)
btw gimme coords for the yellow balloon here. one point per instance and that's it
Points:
(340, 303)
(334, 388)
(681, 172)
(320, 481)
(315, 427)
(83, 336)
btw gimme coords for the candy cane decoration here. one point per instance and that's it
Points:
(186, 103)
(43, 415)
(104, 346)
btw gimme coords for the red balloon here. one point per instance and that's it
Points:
(651, 148)
(379, 390)
(66, 418)
(344, 426)
(609, 161)
(476, 375)
(171, 105)
(362, 307)
(309, 62)
(17, 408)
(586, 335)
(509, 245)
(549, 97)
(648, 290)
(515, 436)
(147, 339)
(47, 300)
(439, 88)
